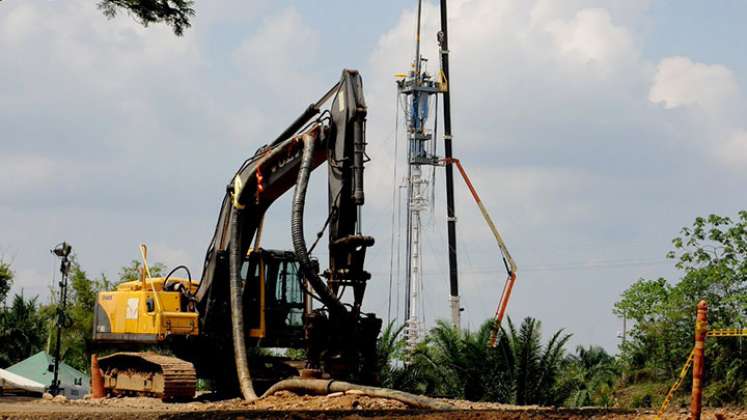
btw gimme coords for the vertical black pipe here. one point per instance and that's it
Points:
(417, 43)
(451, 216)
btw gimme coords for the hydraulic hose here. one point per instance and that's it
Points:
(299, 242)
(237, 308)
(328, 386)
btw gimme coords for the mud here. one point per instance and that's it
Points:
(286, 405)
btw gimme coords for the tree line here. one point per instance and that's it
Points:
(524, 367)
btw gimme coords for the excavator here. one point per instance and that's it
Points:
(251, 301)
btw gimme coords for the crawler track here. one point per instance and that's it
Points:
(148, 374)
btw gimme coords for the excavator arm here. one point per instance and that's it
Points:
(337, 333)
(273, 170)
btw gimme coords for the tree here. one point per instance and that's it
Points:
(78, 328)
(712, 255)
(536, 368)
(458, 363)
(175, 13)
(389, 348)
(589, 376)
(6, 280)
(21, 325)
(22, 330)
(132, 272)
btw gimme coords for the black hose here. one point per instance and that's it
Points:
(299, 243)
(237, 308)
(183, 267)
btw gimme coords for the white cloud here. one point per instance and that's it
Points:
(710, 96)
(592, 38)
(228, 11)
(280, 53)
(680, 82)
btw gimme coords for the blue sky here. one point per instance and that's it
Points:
(594, 130)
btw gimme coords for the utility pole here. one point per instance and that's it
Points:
(443, 40)
(63, 252)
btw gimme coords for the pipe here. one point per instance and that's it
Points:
(701, 329)
(328, 386)
(299, 243)
(450, 212)
(237, 308)
(97, 379)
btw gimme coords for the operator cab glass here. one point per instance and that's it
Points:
(277, 274)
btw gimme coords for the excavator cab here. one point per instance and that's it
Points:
(275, 297)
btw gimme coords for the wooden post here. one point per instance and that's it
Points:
(97, 379)
(701, 327)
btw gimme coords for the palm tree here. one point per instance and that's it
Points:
(21, 330)
(414, 376)
(590, 376)
(388, 350)
(459, 364)
(536, 367)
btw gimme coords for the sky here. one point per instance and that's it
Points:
(593, 130)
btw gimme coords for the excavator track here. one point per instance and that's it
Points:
(148, 374)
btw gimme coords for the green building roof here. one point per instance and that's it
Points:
(36, 368)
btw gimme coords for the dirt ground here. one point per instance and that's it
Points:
(286, 405)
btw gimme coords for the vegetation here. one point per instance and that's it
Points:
(132, 272)
(524, 367)
(712, 255)
(6, 280)
(21, 325)
(175, 13)
(459, 364)
(78, 321)
(22, 331)
(589, 378)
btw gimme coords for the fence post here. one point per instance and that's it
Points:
(701, 328)
(97, 379)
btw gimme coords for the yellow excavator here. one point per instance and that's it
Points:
(250, 301)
